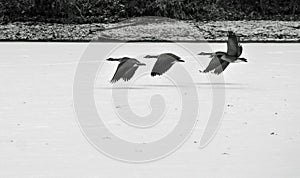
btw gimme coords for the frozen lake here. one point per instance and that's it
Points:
(259, 135)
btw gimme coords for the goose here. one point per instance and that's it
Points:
(126, 68)
(220, 60)
(163, 63)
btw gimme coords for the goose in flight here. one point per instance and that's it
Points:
(220, 60)
(163, 63)
(126, 68)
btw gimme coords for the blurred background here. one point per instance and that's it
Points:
(106, 11)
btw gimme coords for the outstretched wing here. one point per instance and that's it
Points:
(170, 55)
(221, 67)
(162, 65)
(240, 50)
(129, 74)
(123, 67)
(232, 45)
(214, 63)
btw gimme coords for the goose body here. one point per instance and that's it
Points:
(163, 63)
(221, 60)
(126, 68)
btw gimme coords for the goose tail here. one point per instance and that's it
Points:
(154, 74)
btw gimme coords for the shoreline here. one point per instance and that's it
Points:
(153, 30)
(145, 41)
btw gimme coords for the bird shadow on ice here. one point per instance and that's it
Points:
(123, 88)
(216, 84)
(237, 86)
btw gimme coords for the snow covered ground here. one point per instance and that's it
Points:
(259, 134)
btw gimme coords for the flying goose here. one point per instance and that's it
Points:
(126, 68)
(163, 63)
(220, 60)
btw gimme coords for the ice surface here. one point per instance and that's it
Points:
(259, 135)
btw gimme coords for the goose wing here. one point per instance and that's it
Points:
(214, 63)
(232, 45)
(163, 64)
(129, 74)
(221, 67)
(123, 67)
(240, 50)
(171, 56)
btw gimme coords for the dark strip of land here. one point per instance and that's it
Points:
(145, 30)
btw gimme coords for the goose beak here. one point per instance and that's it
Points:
(141, 64)
(179, 60)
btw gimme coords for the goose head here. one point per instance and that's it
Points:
(151, 56)
(230, 33)
(241, 60)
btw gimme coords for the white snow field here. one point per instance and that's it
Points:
(259, 134)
